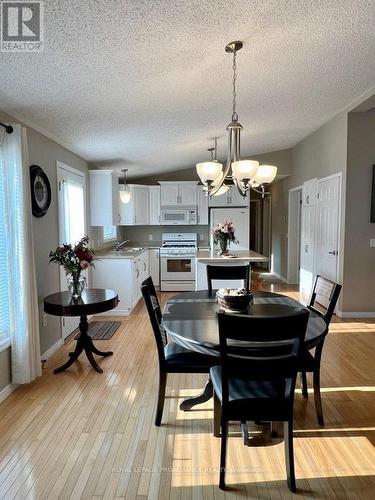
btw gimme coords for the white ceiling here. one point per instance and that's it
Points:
(147, 84)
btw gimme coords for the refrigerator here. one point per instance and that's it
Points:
(241, 220)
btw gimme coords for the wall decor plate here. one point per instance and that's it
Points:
(40, 191)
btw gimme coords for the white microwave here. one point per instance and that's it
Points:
(170, 216)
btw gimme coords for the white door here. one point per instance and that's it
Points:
(169, 194)
(188, 194)
(307, 258)
(327, 226)
(72, 222)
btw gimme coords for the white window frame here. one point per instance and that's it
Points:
(111, 237)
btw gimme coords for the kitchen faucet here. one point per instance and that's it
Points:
(118, 245)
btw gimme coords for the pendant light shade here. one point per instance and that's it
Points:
(125, 189)
(224, 188)
(265, 174)
(244, 169)
(209, 171)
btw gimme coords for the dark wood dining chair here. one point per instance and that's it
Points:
(259, 359)
(228, 273)
(173, 358)
(323, 300)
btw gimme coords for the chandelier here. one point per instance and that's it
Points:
(244, 174)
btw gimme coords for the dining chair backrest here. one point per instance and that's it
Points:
(228, 273)
(154, 312)
(325, 293)
(261, 348)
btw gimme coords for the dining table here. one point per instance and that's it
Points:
(190, 320)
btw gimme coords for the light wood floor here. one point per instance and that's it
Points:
(80, 434)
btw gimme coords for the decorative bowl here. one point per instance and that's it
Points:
(227, 299)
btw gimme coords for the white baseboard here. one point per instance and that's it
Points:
(354, 315)
(52, 349)
(278, 276)
(7, 391)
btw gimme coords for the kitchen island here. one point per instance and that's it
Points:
(204, 257)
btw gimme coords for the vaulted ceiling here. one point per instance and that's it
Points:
(146, 84)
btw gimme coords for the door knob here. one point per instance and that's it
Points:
(333, 252)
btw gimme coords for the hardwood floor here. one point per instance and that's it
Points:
(80, 434)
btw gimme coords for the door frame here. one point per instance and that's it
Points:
(294, 234)
(339, 222)
(60, 166)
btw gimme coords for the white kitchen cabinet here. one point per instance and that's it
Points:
(154, 205)
(178, 193)
(104, 207)
(136, 212)
(202, 206)
(125, 276)
(230, 198)
(154, 265)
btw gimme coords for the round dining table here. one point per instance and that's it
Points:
(190, 320)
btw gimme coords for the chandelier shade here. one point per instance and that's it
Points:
(209, 171)
(244, 169)
(265, 174)
(124, 189)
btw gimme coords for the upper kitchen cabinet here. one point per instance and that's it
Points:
(154, 205)
(136, 212)
(230, 198)
(104, 197)
(178, 193)
(202, 206)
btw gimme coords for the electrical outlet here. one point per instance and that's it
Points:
(150, 237)
(372, 243)
(45, 320)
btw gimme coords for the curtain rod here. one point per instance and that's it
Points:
(8, 128)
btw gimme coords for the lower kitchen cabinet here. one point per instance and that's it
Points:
(125, 277)
(154, 265)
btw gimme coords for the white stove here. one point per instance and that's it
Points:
(177, 261)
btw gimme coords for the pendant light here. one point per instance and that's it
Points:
(245, 174)
(124, 189)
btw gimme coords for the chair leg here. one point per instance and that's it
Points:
(217, 416)
(317, 396)
(223, 453)
(305, 393)
(289, 455)
(161, 397)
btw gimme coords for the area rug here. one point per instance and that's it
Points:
(103, 330)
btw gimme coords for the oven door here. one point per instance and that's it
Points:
(177, 268)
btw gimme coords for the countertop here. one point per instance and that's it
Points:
(110, 254)
(241, 256)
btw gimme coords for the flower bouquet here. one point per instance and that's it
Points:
(74, 260)
(223, 234)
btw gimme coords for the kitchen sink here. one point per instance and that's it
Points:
(124, 251)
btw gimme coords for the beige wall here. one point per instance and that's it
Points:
(320, 154)
(359, 258)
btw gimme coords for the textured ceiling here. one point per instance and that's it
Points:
(147, 84)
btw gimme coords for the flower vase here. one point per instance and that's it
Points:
(76, 285)
(223, 246)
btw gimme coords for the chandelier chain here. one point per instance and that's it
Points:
(235, 116)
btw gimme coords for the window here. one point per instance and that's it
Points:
(109, 233)
(4, 268)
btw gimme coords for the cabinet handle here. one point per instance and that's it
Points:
(144, 266)
(137, 273)
(307, 199)
(306, 248)
(119, 217)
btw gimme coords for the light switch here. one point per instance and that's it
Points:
(372, 243)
